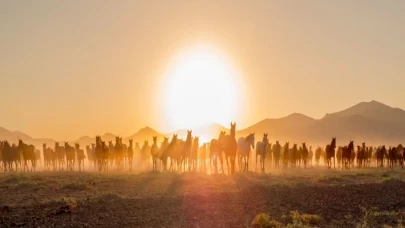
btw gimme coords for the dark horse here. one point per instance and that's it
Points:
(230, 147)
(216, 151)
(304, 154)
(347, 154)
(330, 153)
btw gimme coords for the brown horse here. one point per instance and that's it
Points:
(28, 153)
(186, 151)
(146, 154)
(154, 151)
(216, 152)
(169, 151)
(330, 153)
(304, 154)
(61, 155)
(80, 156)
(347, 154)
(130, 154)
(381, 154)
(277, 154)
(162, 155)
(70, 156)
(261, 150)
(194, 153)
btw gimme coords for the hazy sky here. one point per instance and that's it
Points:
(73, 68)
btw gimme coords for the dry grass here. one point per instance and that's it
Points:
(314, 197)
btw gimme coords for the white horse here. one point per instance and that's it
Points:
(261, 149)
(244, 147)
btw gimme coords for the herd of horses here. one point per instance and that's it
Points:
(189, 155)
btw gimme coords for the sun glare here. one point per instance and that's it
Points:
(201, 87)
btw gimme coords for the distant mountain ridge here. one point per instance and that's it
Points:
(370, 122)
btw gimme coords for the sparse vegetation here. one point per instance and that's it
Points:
(330, 179)
(263, 220)
(290, 199)
(75, 186)
(390, 179)
(296, 220)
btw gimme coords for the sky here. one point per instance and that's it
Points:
(74, 68)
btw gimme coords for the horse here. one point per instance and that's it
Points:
(244, 147)
(130, 154)
(162, 152)
(310, 155)
(138, 153)
(392, 154)
(318, 153)
(61, 155)
(361, 155)
(70, 156)
(304, 154)
(261, 149)
(80, 156)
(202, 157)
(293, 156)
(277, 154)
(186, 151)
(146, 154)
(91, 155)
(154, 153)
(230, 147)
(169, 151)
(347, 152)
(286, 154)
(11, 155)
(194, 153)
(399, 154)
(105, 156)
(28, 152)
(381, 152)
(216, 152)
(330, 153)
(119, 153)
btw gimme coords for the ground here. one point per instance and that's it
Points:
(359, 197)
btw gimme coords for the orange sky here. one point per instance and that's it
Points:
(73, 68)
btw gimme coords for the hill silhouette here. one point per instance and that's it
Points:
(371, 122)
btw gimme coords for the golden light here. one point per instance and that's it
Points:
(201, 87)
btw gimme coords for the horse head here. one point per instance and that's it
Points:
(233, 129)
(265, 139)
(333, 143)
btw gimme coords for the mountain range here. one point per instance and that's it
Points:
(371, 122)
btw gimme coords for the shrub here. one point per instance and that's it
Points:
(263, 220)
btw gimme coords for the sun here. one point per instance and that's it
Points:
(201, 87)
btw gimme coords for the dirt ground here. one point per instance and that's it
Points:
(359, 197)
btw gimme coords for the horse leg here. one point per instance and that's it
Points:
(334, 159)
(264, 162)
(256, 162)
